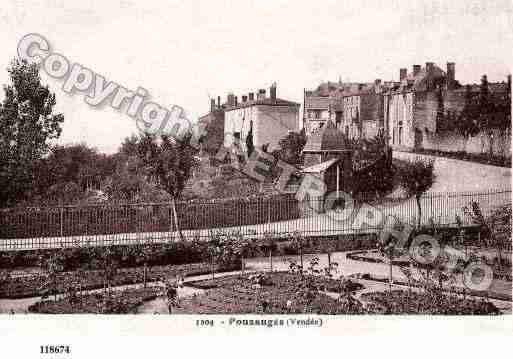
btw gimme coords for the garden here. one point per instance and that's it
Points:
(286, 292)
(118, 302)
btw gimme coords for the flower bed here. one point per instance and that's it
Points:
(503, 273)
(456, 290)
(240, 295)
(120, 302)
(404, 302)
(34, 285)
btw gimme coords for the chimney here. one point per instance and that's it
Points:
(219, 102)
(429, 66)
(402, 74)
(231, 99)
(272, 92)
(261, 94)
(212, 105)
(251, 96)
(244, 98)
(377, 85)
(451, 74)
(416, 70)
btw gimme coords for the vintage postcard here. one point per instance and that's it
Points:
(255, 164)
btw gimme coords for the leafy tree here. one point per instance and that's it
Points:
(215, 247)
(271, 243)
(466, 121)
(169, 163)
(54, 265)
(27, 125)
(487, 111)
(128, 182)
(291, 147)
(298, 241)
(250, 147)
(417, 178)
(66, 165)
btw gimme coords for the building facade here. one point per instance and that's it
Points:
(265, 119)
(421, 106)
(356, 109)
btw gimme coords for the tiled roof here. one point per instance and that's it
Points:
(329, 138)
(335, 98)
(266, 101)
(317, 102)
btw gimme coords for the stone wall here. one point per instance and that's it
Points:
(480, 144)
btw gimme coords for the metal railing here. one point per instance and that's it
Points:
(97, 225)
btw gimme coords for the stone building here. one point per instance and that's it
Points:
(416, 109)
(267, 119)
(355, 108)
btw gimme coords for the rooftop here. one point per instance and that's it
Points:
(266, 101)
(320, 167)
(327, 139)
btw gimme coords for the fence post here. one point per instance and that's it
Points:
(62, 221)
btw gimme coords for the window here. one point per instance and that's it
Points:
(338, 118)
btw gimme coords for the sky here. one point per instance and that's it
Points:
(185, 52)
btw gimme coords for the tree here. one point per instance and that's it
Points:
(169, 163)
(27, 125)
(250, 147)
(417, 178)
(271, 243)
(54, 265)
(68, 165)
(466, 121)
(298, 242)
(486, 112)
(291, 147)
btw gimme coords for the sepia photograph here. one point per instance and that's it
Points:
(281, 163)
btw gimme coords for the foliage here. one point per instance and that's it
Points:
(271, 293)
(118, 302)
(426, 302)
(27, 126)
(416, 178)
(466, 121)
(291, 147)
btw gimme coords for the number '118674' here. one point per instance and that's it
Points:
(55, 349)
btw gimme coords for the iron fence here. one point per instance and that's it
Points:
(99, 225)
